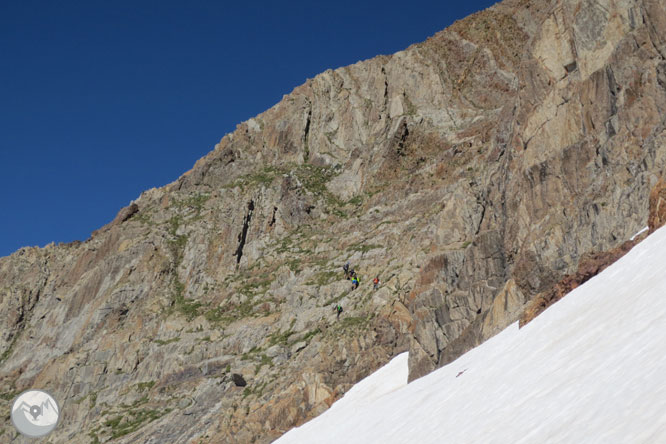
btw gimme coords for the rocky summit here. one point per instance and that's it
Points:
(471, 173)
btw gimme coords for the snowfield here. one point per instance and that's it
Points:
(590, 369)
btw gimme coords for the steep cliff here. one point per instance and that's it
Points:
(471, 173)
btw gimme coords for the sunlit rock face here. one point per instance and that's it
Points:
(470, 173)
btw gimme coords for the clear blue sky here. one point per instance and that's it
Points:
(101, 100)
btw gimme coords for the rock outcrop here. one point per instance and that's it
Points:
(589, 266)
(471, 173)
(657, 216)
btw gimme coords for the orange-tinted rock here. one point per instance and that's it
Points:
(590, 265)
(657, 216)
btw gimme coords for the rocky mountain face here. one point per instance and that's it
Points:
(471, 173)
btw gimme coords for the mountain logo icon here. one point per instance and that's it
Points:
(35, 413)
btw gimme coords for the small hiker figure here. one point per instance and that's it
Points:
(375, 283)
(338, 308)
(351, 274)
(354, 283)
(345, 268)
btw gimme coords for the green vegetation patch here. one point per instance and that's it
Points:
(262, 177)
(265, 360)
(257, 285)
(250, 288)
(142, 386)
(182, 305)
(144, 218)
(354, 320)
(249, 354)
(354, 323)
(94, 437)
(215, 315)
(168, 341)
(232, 312)
(246, 307)
(280, 337)
(385, 222)
(355, 201)
(8, 396)
(364, 248)
(195, 202)
(323, 278)
(311, 334)
(93, 399)
(313, 179)
(293, 241)
(294, 264)
(132, 421)
(127, 419)
(334, 299)
(8, 351)
(176, 245)
(178, 241)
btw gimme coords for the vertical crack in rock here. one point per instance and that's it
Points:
(272, 222)
(242, 236)
(661, 74)
(613, 89)
(400, 138)
(483, 214)
(653, 32)
(306, 135)
(386, 98)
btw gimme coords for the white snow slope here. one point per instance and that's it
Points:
(590, 369)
